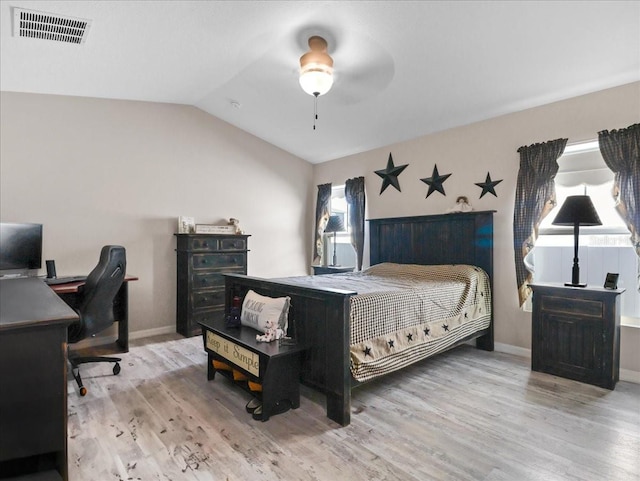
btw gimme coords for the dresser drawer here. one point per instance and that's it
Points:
(209, 315)
(207, 280)
(202, 244)
(202, 279)
(207, 299)
(217, 243)
(211, 261)
(232, 244)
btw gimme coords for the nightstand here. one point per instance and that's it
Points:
(575, 333)
(318, 270)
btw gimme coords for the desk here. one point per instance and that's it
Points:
(33, 378)
(71, 294)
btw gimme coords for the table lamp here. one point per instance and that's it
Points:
(334, 225)
(577, 210)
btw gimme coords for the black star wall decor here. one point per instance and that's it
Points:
(435, 181)
(488, 185)
(390, 175)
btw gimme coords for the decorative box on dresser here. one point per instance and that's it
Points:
(575, 333)
(202, 259)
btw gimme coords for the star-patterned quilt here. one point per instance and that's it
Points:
(405, 312)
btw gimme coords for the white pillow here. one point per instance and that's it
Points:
(257, 310)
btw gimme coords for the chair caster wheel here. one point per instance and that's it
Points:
(116, 369)
(83, 391)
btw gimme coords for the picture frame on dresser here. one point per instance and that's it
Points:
(611, 281)
(186, 225)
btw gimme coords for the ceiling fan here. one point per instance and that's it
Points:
(362, 70)
(360, 67)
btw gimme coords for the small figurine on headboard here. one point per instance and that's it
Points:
(462, 205)
(236, 224)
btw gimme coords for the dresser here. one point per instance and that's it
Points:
(575, 333)
(202, 259)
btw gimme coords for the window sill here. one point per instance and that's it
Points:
(633, 322)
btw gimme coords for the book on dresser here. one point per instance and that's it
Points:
(202, 259)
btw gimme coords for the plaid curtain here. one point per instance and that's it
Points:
(535, 198)
(322, 217)
(620, 150)
(354, 193)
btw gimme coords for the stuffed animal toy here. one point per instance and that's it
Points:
(462, 205)
(236, 224)
(271, 334)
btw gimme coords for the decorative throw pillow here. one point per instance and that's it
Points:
(257, 310)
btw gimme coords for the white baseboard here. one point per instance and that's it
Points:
(630, 376)
(109, 338)
(515, 350)
(156, 331)
(625, 374)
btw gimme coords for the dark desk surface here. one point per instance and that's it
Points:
(71, 287)
(28, 301)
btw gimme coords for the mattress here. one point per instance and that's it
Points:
(403, 313)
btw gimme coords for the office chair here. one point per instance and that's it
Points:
(96, 309)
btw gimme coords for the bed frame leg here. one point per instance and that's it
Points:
(486, 342)
(339, 408)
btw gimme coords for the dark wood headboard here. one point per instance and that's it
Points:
(458, 238)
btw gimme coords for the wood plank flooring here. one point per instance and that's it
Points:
(463, 415)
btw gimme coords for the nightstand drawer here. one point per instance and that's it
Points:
(209, 261)
(573, 306)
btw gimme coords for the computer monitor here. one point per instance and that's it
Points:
(20, 246)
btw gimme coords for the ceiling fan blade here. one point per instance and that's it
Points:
(352, 85)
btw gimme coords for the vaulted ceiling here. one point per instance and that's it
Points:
(402, 69)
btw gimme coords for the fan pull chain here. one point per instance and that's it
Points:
(315, 109)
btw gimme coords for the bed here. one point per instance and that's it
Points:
(338, 355)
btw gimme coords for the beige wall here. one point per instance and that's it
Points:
(468, 153)
(104, 171)
(98, 172)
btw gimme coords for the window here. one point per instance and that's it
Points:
(346, 254)
(582, 171)
(339, 207)
(605, 248)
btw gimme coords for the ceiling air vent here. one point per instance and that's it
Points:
(49, 26)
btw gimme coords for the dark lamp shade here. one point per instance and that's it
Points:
(335, 224)
(577, 209)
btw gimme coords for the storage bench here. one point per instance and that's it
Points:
(275, 365)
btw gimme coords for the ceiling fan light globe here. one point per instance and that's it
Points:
(316, 79)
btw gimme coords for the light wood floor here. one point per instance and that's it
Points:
(464, 415)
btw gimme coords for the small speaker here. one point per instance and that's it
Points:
(51, 269)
